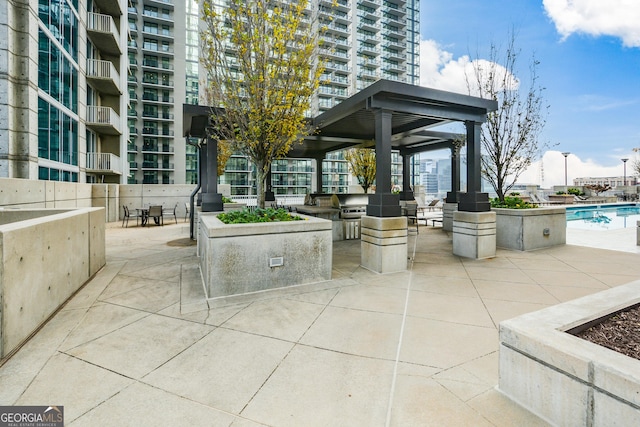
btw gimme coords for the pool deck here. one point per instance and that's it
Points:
(139, 345)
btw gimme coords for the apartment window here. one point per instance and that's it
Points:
(150, 44)
(57, 76)
(59, 18)
(57, 134)
(150, 27)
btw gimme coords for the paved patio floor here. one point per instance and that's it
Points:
(139, 345)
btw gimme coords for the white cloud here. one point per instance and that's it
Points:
(440, 70)
(618, 18)
(553, 165)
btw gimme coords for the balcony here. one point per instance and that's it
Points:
(161, 3)
(157, 17)
(158, 166)
(104, 163)
(103, 76)
(103, 32)
(110, 7)
(103, 120)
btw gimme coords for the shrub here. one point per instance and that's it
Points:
(246, 216)
(225, 199)
(575, 191)
(511, 203)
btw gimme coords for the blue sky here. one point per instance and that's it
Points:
(589, 53)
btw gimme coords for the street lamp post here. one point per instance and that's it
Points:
(624, 180)
(565, 169)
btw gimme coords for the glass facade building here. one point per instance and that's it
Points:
(58, 88)
(62, 70)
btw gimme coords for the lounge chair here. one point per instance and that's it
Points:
(433, 204)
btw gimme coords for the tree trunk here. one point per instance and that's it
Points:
(260, 184)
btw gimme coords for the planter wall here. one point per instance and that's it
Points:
(238, 259)
(564, 379)
(565, 200)
(529, 229)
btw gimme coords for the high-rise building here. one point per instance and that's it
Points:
(365, 41)
(105, 80)
(62, 80)
(162, 53)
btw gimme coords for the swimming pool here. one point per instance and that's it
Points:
(603, 217)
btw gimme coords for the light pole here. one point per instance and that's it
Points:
(624, 180)
(565, 169)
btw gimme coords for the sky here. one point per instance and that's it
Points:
(589, 67)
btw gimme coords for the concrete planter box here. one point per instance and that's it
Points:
(564, 379)
(46, 255)
(529, 229)
(238, 259)
(565, 200)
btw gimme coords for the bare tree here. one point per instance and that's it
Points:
(263, 68)
(511, 136)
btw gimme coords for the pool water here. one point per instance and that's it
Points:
(603, 217)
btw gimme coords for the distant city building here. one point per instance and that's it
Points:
(612, 181)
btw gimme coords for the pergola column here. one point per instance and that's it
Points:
(211, 199)
(319, 173)
(474, 200)
(407, 191)
(383, 203)
(452, 196)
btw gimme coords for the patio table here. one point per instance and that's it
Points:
(144, 215)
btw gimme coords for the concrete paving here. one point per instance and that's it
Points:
(139, 345)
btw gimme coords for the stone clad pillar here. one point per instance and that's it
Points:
(474, 234)
(383, 244)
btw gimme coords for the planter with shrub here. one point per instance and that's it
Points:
(524, 227)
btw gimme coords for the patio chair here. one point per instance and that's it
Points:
(155, 212)
(128, 215)
(171, 212)
(411, 212)
(186, 211)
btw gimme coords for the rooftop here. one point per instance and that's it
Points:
(139, 345)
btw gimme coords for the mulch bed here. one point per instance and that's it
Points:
(620, 333)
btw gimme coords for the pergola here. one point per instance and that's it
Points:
(385, 116)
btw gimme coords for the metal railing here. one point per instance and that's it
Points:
(104, 162)
(103, 116)
(284, 199)
(103, 24)
(102, 69)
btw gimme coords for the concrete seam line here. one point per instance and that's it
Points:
(400, 338)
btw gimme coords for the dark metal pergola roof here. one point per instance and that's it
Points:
(415, 110)
(386, 115)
